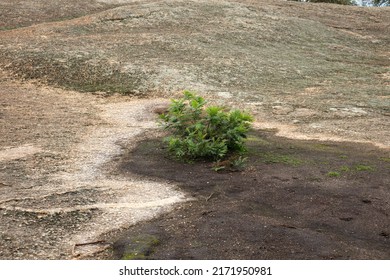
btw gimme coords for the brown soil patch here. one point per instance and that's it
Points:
(55, 198)
(295, 200)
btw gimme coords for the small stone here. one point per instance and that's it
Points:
(282, 110)
(315, 125)
(224, 94)
(304, 112)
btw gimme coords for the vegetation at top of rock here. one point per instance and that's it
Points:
(199, 132)
(341, 2)
(381, 2)
(378, 3)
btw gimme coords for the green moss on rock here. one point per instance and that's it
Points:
(140, 247)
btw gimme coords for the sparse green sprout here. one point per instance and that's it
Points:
(362, 167)
(345, 168)
(208, 133)
(218, 167)
(239, 163)
(234, 163)
(334, 174)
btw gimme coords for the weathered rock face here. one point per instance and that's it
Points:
(310, 71)
(170, 45)
(258, 53)
(21, 13)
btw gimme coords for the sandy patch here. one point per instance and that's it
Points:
(18, 152)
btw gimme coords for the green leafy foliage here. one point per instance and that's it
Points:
(199, 132)
(381, 3)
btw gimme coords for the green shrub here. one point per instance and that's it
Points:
(199, 132)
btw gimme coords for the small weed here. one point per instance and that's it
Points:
(334, 174)
(385, 159)
(343, 156)
(239, 163)
(362, 167)
(232, 164)
(345, 168)
(218, 166)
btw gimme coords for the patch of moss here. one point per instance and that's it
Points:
(122, 88)
(140, 247)
(334, 174)
(385, 159)
(362, 167)
(133, 256)
(345, 168)
(6, 28)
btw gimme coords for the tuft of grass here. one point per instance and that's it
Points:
(345, 168)
(362, 167)
(239, 163)
(334, 174)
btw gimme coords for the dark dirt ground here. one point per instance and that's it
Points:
(294, 200)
